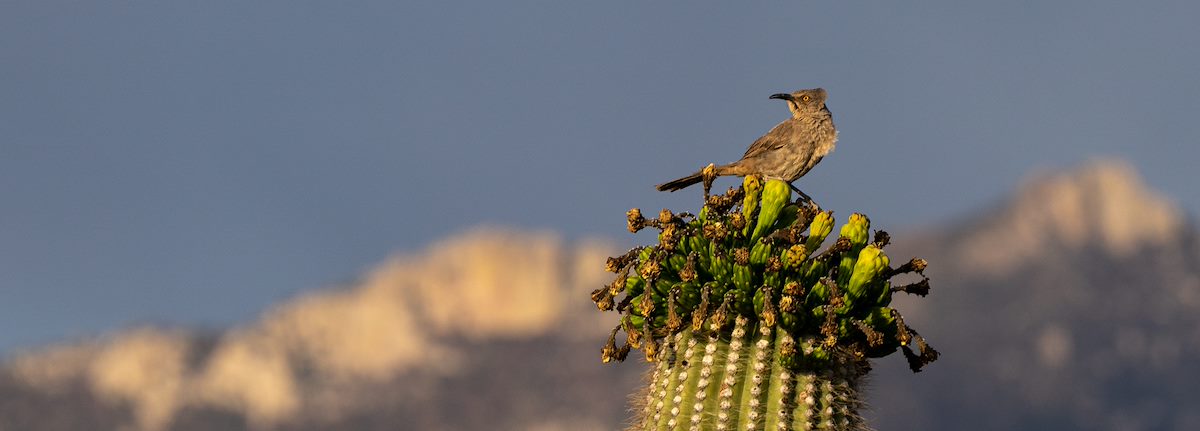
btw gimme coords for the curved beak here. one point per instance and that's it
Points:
(783, 96)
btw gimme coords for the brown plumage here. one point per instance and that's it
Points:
(789, 150)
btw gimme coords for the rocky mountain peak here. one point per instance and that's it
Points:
(1103, 204)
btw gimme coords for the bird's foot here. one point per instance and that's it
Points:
(708, 175)
(805, 199)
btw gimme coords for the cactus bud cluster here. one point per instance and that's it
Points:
(747, 279)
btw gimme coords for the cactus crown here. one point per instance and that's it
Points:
(752, 253)
(749, 262)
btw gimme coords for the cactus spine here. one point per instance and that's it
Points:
(747, 326)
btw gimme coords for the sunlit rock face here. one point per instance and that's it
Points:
(306, 356)
(1103, 204)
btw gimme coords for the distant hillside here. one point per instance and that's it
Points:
(470, 323)
(1073, 305)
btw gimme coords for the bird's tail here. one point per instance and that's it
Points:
(678, 184)
(734, 168)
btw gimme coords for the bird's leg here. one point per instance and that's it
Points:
(708, 174)
(806, 197)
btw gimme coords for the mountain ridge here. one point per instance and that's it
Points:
(1103, 203)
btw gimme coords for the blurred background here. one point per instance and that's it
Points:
(388, 215)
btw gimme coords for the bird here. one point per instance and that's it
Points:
(788, 151)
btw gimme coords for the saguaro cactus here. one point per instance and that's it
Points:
(748, 326)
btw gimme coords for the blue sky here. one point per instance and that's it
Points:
(192, 162)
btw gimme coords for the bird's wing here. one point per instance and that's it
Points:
(809, 167)
(773, 140)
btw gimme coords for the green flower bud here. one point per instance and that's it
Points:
(752, 187)
(820, 228)
(788, 215)
(689, 294)
(682, 245)
(632, 325)
(870, 264)
(639, 305)
(789, 321)
(634, 285)
(814, 270)
(757, 300)
(818, 358)
(662, 285)
(818, 295)
(856, 229)
(644, 255)
(676, 262)
(885, 293)
(760, 252)
(776, 194)
(743, 301)
(743, 277)
(794, 256)
(721, 266)
(697, 243)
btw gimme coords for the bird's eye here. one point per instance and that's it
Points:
(806, 98)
